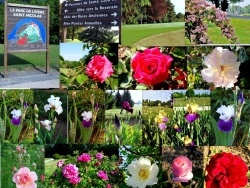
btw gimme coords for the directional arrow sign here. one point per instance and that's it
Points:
(89, 22)
(89, 3)
(99, 15)
(114, 14)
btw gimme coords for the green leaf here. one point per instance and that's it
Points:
(64, 71)
(81, 78)
(121, 68)
(126, 80)
(141, 87)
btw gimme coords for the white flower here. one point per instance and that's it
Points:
(54, 102)
(222, 68)
(143, 173)
(86, 115)
(226, 112)
(16, 113)
(47, 124)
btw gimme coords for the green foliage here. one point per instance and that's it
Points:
(56, 156)
(190, 93)
(110, 100)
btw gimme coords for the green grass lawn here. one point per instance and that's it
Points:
(150, 112)
(29, 60)
(241, 26)
(202, 101)
(132, 34)
(51, 166)
(110, 114)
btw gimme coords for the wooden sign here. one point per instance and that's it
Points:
(26, 30)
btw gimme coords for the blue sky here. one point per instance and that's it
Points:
(153, 95)
(72, 51)
(179, 6)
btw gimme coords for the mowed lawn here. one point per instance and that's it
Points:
(201, 101)
(29, 60)
(131, 34)
(241, 26)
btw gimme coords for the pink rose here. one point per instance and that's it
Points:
(151, 66)
(84, 158)
(60, 164)
(75, 180)
(24, 178)
(182, 169)
(102, 174)
(99, 68)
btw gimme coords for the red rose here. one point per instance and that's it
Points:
(226, 170)
(151, 66)
(99, 68)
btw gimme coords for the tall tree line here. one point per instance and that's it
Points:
(147, 11)
(223, 4)
(54, 17)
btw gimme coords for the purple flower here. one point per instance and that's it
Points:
(225, 125)
(85, 158)
(16, 117)
(162, 126)
(117, 122)
(102, 174)
(126, 106)
(191, 117)
(70, 171)
(96, 107)
(241, 99)
(25, 105)
(87, 119)
(165, 119)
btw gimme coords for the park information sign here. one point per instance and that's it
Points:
(26, 29)
(100, 13)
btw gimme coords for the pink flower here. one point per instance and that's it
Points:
(60, 164)
(75, 180)
(24, 178)
(99, 156)
(101, 174)
(182, 169)
(151, 66)
(84, 158)
(70, 171)
(42, 178)
(108, 186)
(18, 148)
(99, 68)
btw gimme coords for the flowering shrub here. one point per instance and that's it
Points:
(198, 12)
(226, 170)
(25, 178)
(93, 169)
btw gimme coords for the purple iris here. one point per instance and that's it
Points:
(165, 119)
(162, 126)
(25, 105)
(191, 117)
(87, 123)
(96, 107)
(117, 122)
(16, 121)
(225, 126)
(241, 99)
(126, 106)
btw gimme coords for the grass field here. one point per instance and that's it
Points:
(202, 101)
(132, 34)
(51, 166)
(29, 60)
(150, 112)
(110, 114)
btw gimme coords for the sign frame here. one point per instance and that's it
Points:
(6, 21)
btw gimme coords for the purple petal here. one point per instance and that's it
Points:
(15, 121)
(162, 126)
(225, 126)
(86, 123)
(241, 98)
(191, 117)
(117, 122)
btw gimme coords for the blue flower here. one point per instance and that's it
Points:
(225, 126)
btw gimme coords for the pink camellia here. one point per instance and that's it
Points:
(182, 169)
(101, 174)
(24, 178)
(99, 156)
(99, 68)
(70, 171)
(151, 66)
(84, 158)
(60, 164)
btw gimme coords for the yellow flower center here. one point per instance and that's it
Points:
(222, 68)
(143, 174)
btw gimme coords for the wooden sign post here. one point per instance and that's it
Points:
(26, 29)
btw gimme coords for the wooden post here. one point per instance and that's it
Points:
(47, 41)
(5, 39)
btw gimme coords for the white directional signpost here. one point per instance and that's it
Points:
(95, 13)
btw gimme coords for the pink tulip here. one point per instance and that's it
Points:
(182, 169)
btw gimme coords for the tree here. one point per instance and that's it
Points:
(158, 10)
(97, 35)
(118, 99)
(190, 93)
(126, 96)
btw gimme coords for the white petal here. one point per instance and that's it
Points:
(154, 170)
(133, 182)
(47, 107)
